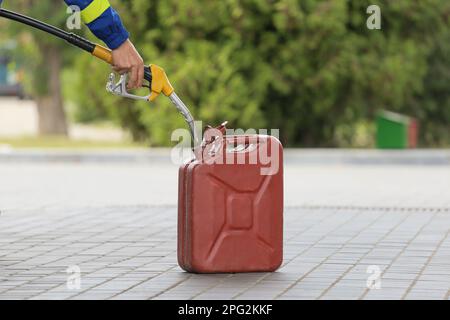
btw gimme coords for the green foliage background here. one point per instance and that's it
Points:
(308, 67)
(30, 41)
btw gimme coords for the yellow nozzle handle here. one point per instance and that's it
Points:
(160, 83)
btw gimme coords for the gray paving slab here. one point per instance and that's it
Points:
(355, 228)
(121, 259)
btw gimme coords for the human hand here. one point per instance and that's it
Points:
(126, 59)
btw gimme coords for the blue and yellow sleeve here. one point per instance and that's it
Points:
(103, 21)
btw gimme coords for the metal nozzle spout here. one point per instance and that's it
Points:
(186, 115)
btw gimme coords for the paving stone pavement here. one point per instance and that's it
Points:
(129, 252)
(354, 229)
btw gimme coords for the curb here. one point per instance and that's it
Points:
(292, 156)
(84, 156)
(439, 157)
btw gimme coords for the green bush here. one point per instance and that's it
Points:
(310, 68)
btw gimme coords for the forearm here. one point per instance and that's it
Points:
(102, 20)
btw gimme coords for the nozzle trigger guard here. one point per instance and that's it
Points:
(120, 88)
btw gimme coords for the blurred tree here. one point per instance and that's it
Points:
(310, 68)
(432, 105)
(43, 57)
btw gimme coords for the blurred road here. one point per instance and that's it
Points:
(154, 182)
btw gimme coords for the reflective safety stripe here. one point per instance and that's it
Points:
(94, 10)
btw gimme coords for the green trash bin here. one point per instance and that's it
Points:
(395, 131)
